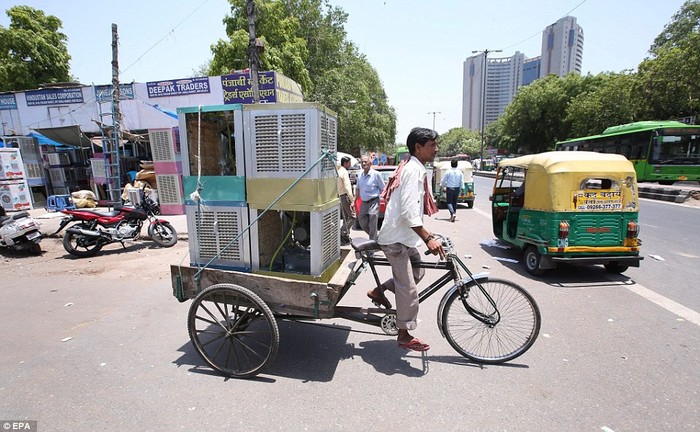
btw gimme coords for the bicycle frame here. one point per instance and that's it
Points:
(452, 274)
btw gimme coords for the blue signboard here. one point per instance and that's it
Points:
(54, 96)
(238, 89)
(7, 102)
(103, 93)
(178, 87)
(272, 87)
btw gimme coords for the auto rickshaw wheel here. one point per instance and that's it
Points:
(532, 260)
(615, 267)
(470, 204)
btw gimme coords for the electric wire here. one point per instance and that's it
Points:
(172, 31)
(540, 32)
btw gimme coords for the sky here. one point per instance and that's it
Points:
(418, 47)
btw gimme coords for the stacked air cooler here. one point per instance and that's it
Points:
(274, 146)
(167, 164)
(217, 220)
(33, 166)
(300, 233)
(14, 192)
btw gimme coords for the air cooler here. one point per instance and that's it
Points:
(211, 233)
(282, 142)
(304, 245)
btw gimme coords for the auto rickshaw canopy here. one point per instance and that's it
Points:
(442, 167)
(560, 181)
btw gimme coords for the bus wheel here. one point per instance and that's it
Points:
(615, 267)
(531, 260)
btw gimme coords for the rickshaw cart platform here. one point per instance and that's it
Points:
(286, 297)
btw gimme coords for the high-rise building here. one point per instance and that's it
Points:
(562, 53)
(562, 48)
(503, 77)
(531, 70)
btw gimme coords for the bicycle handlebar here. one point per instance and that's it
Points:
(447, 245)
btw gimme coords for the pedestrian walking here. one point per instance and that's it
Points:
(453, 184)
(369, 186)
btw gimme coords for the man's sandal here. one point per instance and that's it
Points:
(415, 344)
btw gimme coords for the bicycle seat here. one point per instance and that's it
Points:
(364, 245)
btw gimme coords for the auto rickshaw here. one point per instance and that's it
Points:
(578, 207)
(466, 196)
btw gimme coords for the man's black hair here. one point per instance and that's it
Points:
(453, 163)
(420, 136)
(344, 159)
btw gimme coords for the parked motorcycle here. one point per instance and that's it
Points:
(19, 231)
(95, 229)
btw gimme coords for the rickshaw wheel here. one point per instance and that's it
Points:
(470, 204)
(233, 330)
(615, 267)
(532, 259)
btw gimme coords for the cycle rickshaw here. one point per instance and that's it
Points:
(232, 320)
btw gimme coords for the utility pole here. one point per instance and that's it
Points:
(433, 113)
(483, 102)
(110, 146)
(253, 53)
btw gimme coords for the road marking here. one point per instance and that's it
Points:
(482, 213)
(666, 303)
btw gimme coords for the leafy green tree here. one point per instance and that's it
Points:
(611, 102)
(536, 119)
(33, 51)
(684, 23)
(353, 89)
(460, 141)
(667, 85)
(306, 41)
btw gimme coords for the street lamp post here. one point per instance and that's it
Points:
(433, 113)
(483, 103)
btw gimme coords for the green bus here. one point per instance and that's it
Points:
(401, 154)
(661, 151)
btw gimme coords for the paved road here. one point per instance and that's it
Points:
(101, 344)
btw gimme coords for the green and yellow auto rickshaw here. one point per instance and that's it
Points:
(568, 207)
(466, 195)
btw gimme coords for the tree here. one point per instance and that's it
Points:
(459, 140)
(536, 119)
(366, 120)
(667, 85)
(684, 23)
(33, 51)
(306, 41)
(611, 102)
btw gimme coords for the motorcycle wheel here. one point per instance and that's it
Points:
(80, 245)
(35, 249)
(162, 233)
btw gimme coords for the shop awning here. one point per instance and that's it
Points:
(67, 135)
